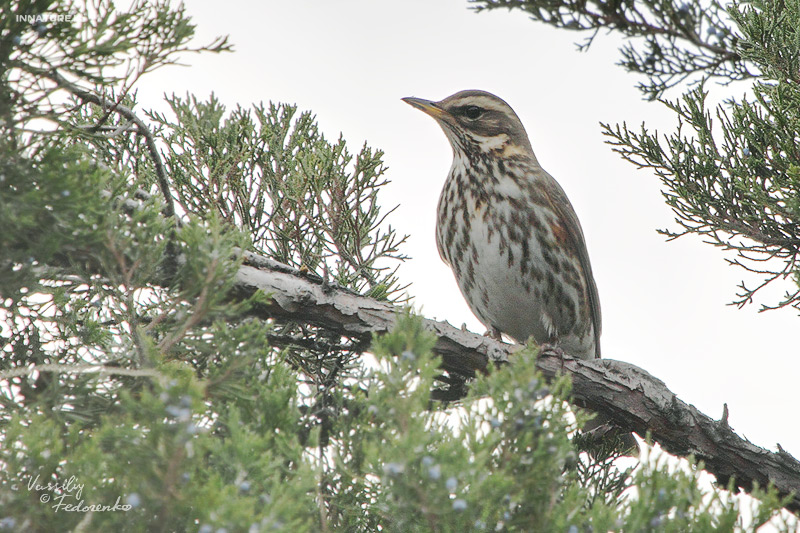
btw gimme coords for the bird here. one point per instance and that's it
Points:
(513, 240)
(508, 231)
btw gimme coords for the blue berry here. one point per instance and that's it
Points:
(459, 504)
(394, 469)
(134, 500)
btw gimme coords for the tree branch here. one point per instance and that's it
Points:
(141, 127)
(630, 396)
(626, 394)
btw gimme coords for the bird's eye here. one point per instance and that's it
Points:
(472, 112)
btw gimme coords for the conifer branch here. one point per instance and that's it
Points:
(630, 396)
(126, 112)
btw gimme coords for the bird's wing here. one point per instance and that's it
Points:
(561, 205)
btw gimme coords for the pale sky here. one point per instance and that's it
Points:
(663, 303)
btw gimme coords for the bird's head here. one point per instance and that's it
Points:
(478, 122)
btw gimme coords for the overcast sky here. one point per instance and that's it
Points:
(350, 62)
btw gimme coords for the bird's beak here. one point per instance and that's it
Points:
(427, 106)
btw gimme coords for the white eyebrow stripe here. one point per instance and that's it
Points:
(484, 102)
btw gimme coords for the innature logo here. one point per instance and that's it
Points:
(45, 17)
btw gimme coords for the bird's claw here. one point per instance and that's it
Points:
(494, 333)
(552, 349)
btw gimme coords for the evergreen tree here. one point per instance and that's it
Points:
(142, 392)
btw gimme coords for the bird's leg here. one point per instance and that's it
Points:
(494, 333)
(554, 349)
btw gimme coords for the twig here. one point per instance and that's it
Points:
(80, 369)
(142, 128)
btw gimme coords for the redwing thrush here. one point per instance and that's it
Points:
(512, 238)
(508, 231)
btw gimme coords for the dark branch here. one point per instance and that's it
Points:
(666, 42)
(141, 128)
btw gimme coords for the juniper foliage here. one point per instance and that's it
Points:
(138, 396)
(730, 171)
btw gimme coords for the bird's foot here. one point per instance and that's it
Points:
(494, 333)
(551, 349)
